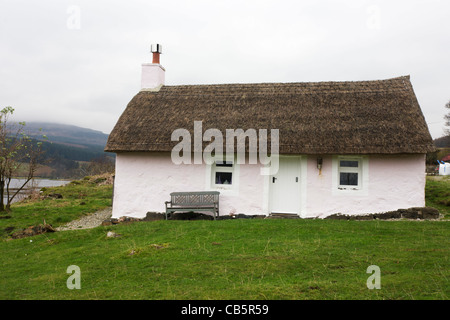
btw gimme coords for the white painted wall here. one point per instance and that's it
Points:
(389, 183)
(144, 182)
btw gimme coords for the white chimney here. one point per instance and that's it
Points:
(153, 74)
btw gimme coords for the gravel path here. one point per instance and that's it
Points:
(91, 221)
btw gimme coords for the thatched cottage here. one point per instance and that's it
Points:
(344, 147)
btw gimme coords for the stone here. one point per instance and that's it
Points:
(112, 234)
(152, 216)
(410, 213)
(107, 222)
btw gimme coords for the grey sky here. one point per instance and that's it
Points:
(79, 62)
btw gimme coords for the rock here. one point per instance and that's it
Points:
(427, 213)
(243, 216)
(387, 215)
(259, 216)
(338, 216)
(152, 216)
(226, 217)
(364, 217)
(410, 213)
(127, 219)
(431, 213)
(107, 222)
(112, 234)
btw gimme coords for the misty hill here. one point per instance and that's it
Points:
(68, 149)
(66, 134)
(68, 142)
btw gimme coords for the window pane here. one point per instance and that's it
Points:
(349, 163)
(348, 179)
(223, 177)
(224, 163)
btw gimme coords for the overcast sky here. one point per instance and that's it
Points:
(79, 62)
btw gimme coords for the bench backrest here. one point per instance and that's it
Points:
(194, 198)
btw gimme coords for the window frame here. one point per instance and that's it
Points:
(225, 169)
(358, 170)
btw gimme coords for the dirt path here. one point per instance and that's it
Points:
(91, 221)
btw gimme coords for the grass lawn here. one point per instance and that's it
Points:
(80, 197)
(437, 194)
(225, 259)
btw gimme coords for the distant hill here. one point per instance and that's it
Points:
(68, 148)
(442, 142)
(66, 134)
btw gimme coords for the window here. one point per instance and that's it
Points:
(349, 173)
(223, 173)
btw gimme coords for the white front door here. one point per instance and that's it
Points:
(285, 186)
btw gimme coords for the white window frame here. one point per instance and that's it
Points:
(215, 169)
(357, 170)
(210, 177)
(363, 175)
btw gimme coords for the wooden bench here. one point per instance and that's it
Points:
(193, 201)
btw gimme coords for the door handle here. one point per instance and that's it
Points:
(296, 179)
(273, 179)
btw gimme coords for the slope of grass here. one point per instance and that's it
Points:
(59, 205)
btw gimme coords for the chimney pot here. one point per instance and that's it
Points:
(156, 49)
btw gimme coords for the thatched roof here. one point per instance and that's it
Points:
(361, 117)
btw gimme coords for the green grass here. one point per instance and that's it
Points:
(437, 194)
(79, 198)
(233, 259)
(225, 259)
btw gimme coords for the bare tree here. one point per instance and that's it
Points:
(18, 153)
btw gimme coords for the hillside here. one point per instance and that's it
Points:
(67, 134)
(69, 150)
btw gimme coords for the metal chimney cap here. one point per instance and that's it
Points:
(156, 48)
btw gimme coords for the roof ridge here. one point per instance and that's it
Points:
(407, 77)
